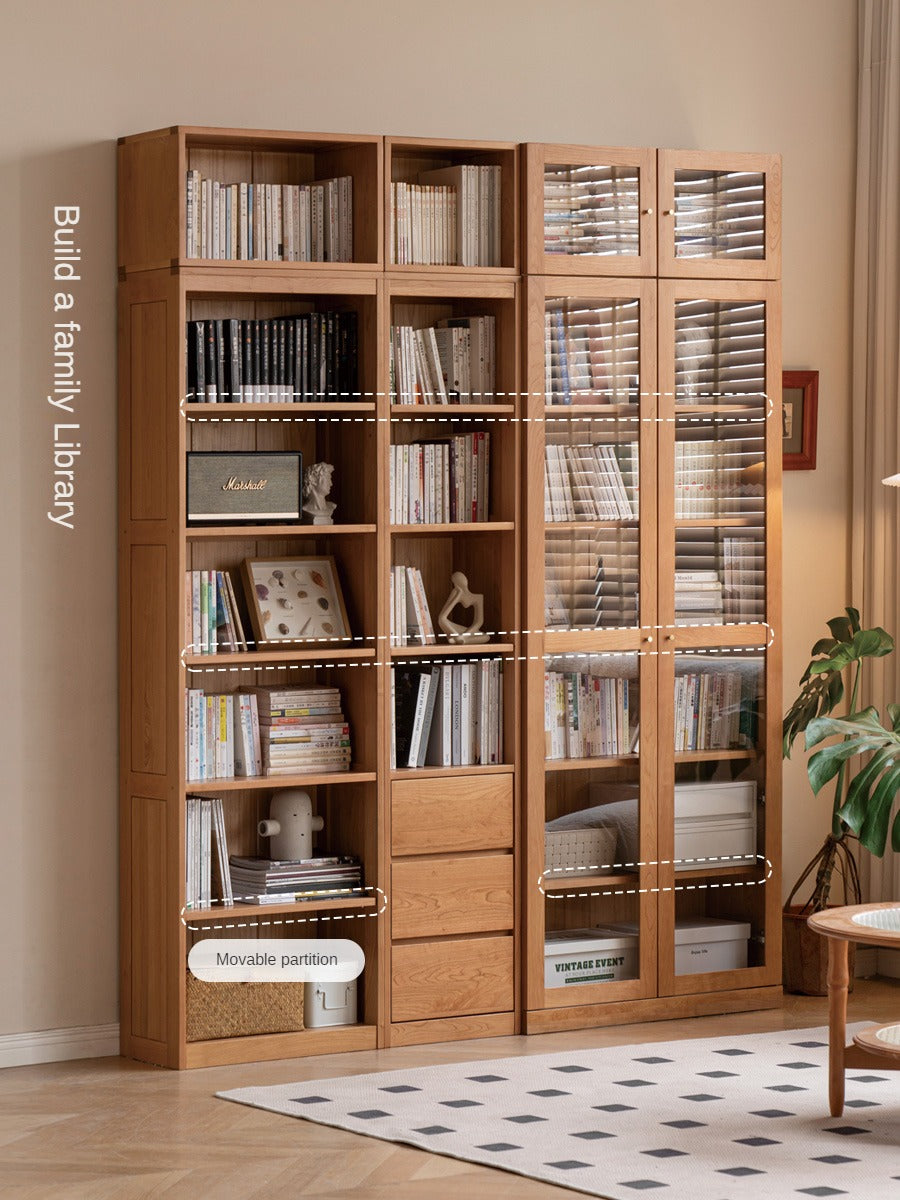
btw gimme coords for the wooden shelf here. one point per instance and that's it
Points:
(268, 1046)
(688, 756)
(244, 412)
(713, 410)
(751, 522)
(234, 912)
(447, 772)
(601, 763)
(617, 411)
(575, 882)
(456, 412)
(456, 527)
(701, 872)
(257, 782)
(242, 532)
(588, 526)
(446, 650)
(248, 658)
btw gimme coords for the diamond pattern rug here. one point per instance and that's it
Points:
(712, 1119)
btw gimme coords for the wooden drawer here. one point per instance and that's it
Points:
(463, 812)
(451, 978)
(440, 896)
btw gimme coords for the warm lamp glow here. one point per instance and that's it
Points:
(892, 481)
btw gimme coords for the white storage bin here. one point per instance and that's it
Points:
(574, 956)
(715, 825)
(708, 944)
(331, 1003)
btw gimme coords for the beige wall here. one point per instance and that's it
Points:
(721, 74)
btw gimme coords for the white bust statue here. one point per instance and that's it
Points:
(317, 509)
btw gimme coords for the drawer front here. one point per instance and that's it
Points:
(431, 816)
(441, 896)
(451, 978)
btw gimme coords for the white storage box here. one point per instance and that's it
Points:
(709, 944)
(715, 825)
(331, 1003)
(573, 956)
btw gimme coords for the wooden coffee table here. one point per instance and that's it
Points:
(875, 924)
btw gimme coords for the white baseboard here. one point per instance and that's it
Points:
(58, 1045)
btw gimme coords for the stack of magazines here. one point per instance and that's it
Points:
(269, 881)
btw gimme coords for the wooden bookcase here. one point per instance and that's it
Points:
(453, 925)
(652, 319)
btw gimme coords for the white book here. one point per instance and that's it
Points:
(425, 684)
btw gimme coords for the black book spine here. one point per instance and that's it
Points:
(282, 358)
(265, 378)
(329, 356)
(304, 357)
(323, 351)
(211, 395)
(221, 382)
(352, 355)
(290, 358)
(234, 339)
(257, 361)
(314, 388)
(247, 363)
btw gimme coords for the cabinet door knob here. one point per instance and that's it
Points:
(670, 637)
(668, 212)
(649, 637)
(647, 212)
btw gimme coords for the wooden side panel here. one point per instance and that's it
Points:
(149, 449)
(149, 913)
(430, 816)
(150, 188)
(148, 659)
(440, 896)
(452, 978)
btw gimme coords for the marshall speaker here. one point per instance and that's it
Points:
(244, 487)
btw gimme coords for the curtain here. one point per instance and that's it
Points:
(875, 528)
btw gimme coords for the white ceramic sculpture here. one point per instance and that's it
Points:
(469, 634)
(290, 825)
(317, 482)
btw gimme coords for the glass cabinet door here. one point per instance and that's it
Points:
(720, 215)
(591, 210)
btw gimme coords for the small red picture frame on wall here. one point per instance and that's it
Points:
(799, 419)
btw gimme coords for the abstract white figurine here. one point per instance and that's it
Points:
(317, 482)
(460, 594)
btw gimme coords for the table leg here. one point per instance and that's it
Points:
(838, 984)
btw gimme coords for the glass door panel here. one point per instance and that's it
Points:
(592, 350)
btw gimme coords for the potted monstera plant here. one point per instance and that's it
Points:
(864, 789)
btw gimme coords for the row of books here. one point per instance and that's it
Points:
(715, 710)
(269, 881)
(719, 214)
(452, 362)
(714, 479)
(213, 620)
(273, 360)
(592, 481)
(584, 588)
(205, 817)
(450, 217)
(311, 222)
(442, 480)
(411, 623)
(265, 731)
(447, 715)
(588, 715)
(591, 210)
(592, 353)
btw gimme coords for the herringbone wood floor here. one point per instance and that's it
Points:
(108, 1129)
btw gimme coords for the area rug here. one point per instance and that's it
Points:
(712, 1119)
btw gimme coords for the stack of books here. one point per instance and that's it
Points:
(277, 360)
(698, 598)
(591, 210)
(745, 578)
(450, 217)
(213, 620)
(590, 482)
(302, 730)
(448, 715)
(452, 362)
(311, 222)
(441, 481)
(715, 710)
(588, 715)
(411, 623)
(205, 817)
(268, 881)
(592, 355)
(710, 480)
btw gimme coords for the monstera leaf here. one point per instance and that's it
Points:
(822, 684)
(870, 794)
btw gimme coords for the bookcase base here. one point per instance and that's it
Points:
(631, 1012)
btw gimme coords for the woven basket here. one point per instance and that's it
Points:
(568, 851)
(805, 954)
(224, 1010)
